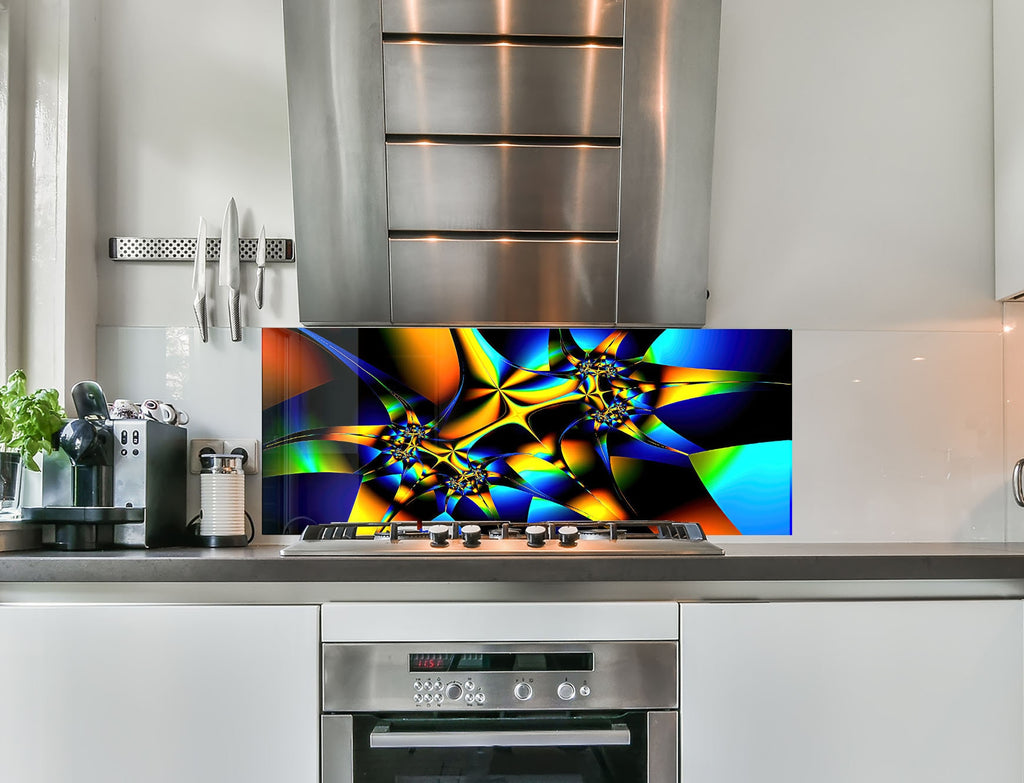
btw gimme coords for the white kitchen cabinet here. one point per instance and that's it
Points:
(1008, 139)
(159, 694)
(849, 692)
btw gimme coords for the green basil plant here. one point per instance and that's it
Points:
(28, 421)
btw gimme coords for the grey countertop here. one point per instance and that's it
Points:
(742, 562)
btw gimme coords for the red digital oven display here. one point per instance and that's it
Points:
(431, 662)
(502, 662)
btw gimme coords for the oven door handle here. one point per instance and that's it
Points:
(383, 737)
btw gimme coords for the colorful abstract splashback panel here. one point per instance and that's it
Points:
(418, 424)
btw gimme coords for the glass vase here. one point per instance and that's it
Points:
(11, 469)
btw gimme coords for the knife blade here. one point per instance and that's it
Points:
(229, 272)
(261, 262)
(199, 282)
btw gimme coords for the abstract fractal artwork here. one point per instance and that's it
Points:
(412, 425)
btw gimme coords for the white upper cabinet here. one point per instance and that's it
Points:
(1008, 130)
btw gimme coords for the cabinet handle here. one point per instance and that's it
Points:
(1018, 488)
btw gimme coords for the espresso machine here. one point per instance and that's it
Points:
(112, 482)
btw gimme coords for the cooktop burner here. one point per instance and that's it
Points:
(504, 538)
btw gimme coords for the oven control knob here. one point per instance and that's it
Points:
(453, 691)
(535, 535)
(438, 535)
(584, 690)
(471, 535)
(566, 691)
(568, 535)
(522, 691)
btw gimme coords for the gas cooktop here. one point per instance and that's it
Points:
(634, 538)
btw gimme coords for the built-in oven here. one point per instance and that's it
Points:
(500, 712)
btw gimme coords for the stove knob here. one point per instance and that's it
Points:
(568, 535)
(522, 691)
(566, 691)
(438, 535)
(535, 535)
(453, 692)
(471, 535)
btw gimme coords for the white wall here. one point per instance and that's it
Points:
(193, 112)
(852, 203)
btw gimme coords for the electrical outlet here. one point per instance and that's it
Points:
(249, 449)
(199, 446)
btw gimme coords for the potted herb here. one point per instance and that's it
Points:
(28, 423)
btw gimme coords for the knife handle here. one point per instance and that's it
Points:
(258, 293)
(199, 306)
(235, 317)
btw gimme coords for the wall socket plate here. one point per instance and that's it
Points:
(197, 446)
(249, 447)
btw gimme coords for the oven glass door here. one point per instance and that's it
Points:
(532, 748)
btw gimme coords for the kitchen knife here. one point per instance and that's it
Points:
(229, 274)
(199, 281)
(261, 262)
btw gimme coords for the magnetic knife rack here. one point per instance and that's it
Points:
(279, 251)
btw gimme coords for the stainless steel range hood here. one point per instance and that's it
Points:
(502, 161)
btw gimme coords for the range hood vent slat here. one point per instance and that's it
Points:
(482, 39)
(507, 140)
(511, 236)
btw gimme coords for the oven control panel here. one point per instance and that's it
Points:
(440, 692)
(521, 676)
